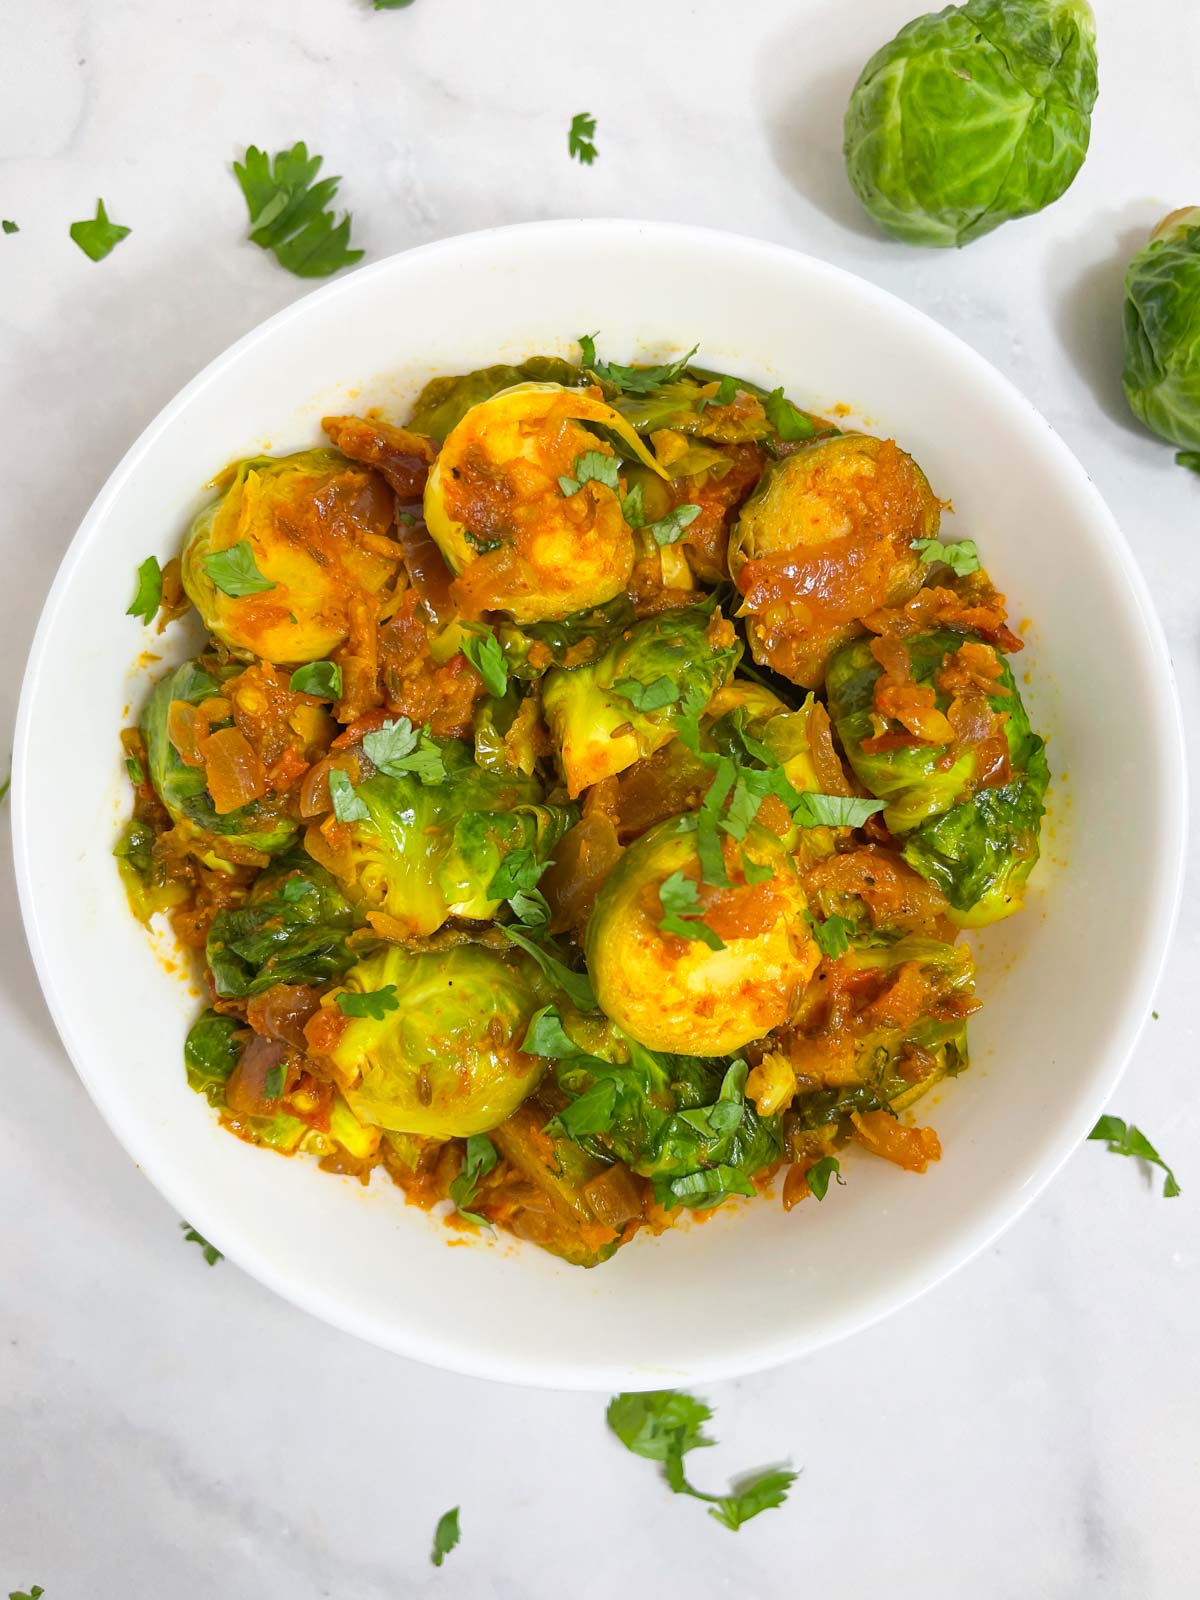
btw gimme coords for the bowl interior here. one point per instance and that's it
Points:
(1067, 984)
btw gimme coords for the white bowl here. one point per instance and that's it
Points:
(1068, 984)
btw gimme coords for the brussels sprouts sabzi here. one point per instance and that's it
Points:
(630, 702)
(973, 116)
(824, 540)
(439, 1053)
(276, 565)
(1162, 330)
(518, 519)
(726, 971)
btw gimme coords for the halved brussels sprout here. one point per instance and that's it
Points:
(497, 507)
(630, 701)
(444, 402)
(276, 564)
(262, 825)
(677, 993)
(1162, 330)
(445, 1061)
(824, 540)
(429, 851)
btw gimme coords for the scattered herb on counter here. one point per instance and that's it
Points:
(1123, 1139)
(446, 1534)
(211, 1254)
(580, 136)
(288, 211)
(98, 236)
(11, 227)
(148, 595)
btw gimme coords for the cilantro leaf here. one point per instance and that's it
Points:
(647, 1423)
(651, 696)
(397, 748)
(137, 773)
(532, 910)
(288, 211)
(273, 1082)
(818, 1175)
(211, 1254)
(680, 902)
(789, 422)
(373, 1003)
(297, 889)
(11, 227)
(546, 1036)
(446, 1534)
(575, 985)
(579, 138)
(482, 649)
(671, 528)
(594, 466)
(1123, 1139)
(590, 1112)
(832, 936)
(833, 810)
(961, 557)
(703, 1189)
(235, 571)
(347, 807)
(708, 819)
(633, 506)
(1184, 458)
(480, 1158)
(98, 236)
(520, 871)
(633, 380)
(148, 595)
(323, 679)
(756, 871)
(37, 1591)
(759, 1492)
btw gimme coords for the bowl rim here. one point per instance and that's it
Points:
(1056, 1145)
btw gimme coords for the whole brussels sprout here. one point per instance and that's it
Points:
(500, 504)
(630, 702)
(275, 565)
(973, 116)
(824, 540)
(685, 994)
(1162, 330)
(441, 1054)
(259, 826)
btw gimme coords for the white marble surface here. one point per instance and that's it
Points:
(1028, 1429)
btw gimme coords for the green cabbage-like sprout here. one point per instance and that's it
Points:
(1162, 330)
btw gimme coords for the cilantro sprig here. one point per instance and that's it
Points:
(373, 1003)
(593, 466)
(631, 380)
(148, 595)
(482, 649)
(397, 749)
(446, 1535)
(1123, 1139)
(831, 934)
(818, 1175)
(665, 1425)
(580, 137)
(516, 882)
(211, 1254)
(347, 807)
(288, 211)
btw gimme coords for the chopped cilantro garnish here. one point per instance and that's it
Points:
(594, 466)
(398, 748)
(680, 901)
(482, 649)
(480, 1158)
(818, 1175)
(651, 696)
(1123, 1139)
(98, 236)
(323, 679)
(211, 1254)
(235, 571)
(446, 1534)
(373, 1003)
(832, 936)
(580, 136)
(148, 595)
(671, 528)
(633, 380)
(789, 422)
(288, 212)
(11, 227)
(961, 557)
(347, 807)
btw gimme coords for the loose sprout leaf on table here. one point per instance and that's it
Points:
(322, 679)
(148, 595)
(211, 1254)
(398, 748)
(446, 1535)
(482, 649)
(818, 1175)
(1123, 1139)
(580, 136)
(961, 556)
(98, 236)
(235, 571)
(347, 807)
(631, 380)
(288, 212)
(373, 1003)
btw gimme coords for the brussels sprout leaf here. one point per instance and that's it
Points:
(273, 1082)
(210, 1053)
(789, 422)
(137, 773)
(961, 557)
(97, 236)
(320, 678)
(818, 1175)
(397, 748)
(647, 696)
(594, 466)
(347, 807)
(211, 1254)
(575, 985)
(632, 380)
(1123, 1139)
(148, 596)
(833, 810)
(831, 935)
(680, 901)
(288, 215)
(1189, 459)
(235, 572)
(11, 227)
(722, 1117)
(671, 528)
(446, 1534)
(579, 138)
(402, 5)
(482, 650)
(480, 1158)
(649, 1424)
(373, 1003)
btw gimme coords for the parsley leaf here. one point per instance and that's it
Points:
(446, 1534)
(347, 807)
(671, 528)
(480, 1158)
(148, 595)
(818, 1175)
(579, 138)
(397, 749)
(633, 380)
(594, 466)
(833, 810)
(373, 1003)
(961, 557)
(680, 902)
(759, 1492)
(211, 1254)
(651, 696)
(137, 773)
(520, 871)
(788, 421)
(235, 571)
(1125, 1140)
(575, 985)
(37, 1591)
(11, 227)
(633, 506)
(832, 936)
(323, 679)
(98, 236)
(288, 215)
(482, 650)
